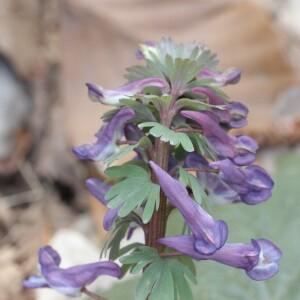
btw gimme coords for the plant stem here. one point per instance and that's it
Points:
(157, 226)
(91, 294)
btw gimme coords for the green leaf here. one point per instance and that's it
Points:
(123, 151)
(126, 170)
(163, 288)
(191, 181)
(149, 278)
(142, 111)
(151, 204)
(108, 115)
(178, 64)
(202, 146)
(195, 104)
(133, 191)
(140, 254)
(167, 135)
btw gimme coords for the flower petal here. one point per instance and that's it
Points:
(239, 113)
(269, 258)
(113, 97)
(48, 257)
(219, 191)
(260, 259)
(246, 148)
(34, 282)
(107, 136)
(213, 98)
(70, 281)
(229, 76)
(98, 189)
(221, 142)
(260, 185)
(210, 234)
(242, 256)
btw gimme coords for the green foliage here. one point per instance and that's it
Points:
(194, 184)
(193, 104)
(177, 63)
(163, 278)
(123, 152)
(167, 135)
(202, 146)
(134, 190)
(112, 245)
(142, 111)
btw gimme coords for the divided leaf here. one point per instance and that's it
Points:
(165, 279)
(202, 146)
(123, 151)
(134, 191)
(194, 184)
(167, 135)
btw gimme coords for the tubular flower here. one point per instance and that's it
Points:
(210, 235)
(260, 258)
(222, 143)
(252, 183)
(238, 113)
(68, 281)
(246, 148)
(113, 97)
(217, 189)
(213, 98)
(233, 115)
(229, 76)
(106, 138)
(98, 189)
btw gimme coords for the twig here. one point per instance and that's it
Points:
(91, 294)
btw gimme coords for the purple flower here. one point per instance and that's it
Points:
(113, 97)
(217, 189)
(68, 281)
(107, 136)
(246, 148)
(260, 258)
(238, 113)
(98, 189)
(260, 185)
(252, 183)
(213, 98)
(229, 76)
(222, 143)
(210, 235)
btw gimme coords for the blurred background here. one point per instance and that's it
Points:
(49, 49)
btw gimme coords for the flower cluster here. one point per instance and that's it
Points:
(174, 115)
